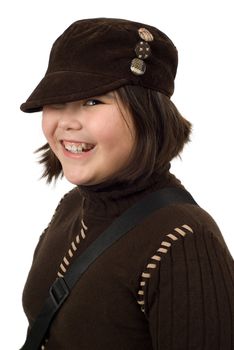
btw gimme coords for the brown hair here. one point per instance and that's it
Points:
(160, 135)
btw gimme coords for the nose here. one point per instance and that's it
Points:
(69, 119)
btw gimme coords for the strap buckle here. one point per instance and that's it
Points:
(59, 291)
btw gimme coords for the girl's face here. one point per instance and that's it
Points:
(92, 139)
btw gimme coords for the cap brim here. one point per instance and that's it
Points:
(68, 86)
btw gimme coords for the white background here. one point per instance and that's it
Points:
(203, 33)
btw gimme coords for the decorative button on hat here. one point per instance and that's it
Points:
(98, 55)
(143, 50)
(138, 66)
(145, 34)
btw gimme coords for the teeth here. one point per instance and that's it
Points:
(78, 148)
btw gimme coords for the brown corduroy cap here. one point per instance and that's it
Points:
(98, 55)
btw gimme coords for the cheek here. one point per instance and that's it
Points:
(47, 126)
(117, 137)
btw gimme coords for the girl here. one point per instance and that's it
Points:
(112, 131)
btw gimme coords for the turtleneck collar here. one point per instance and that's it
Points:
(111, 199)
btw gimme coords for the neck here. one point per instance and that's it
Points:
(113, 197)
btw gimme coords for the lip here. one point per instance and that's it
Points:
(74, 141)
(76, 155)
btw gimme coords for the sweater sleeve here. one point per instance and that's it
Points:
(189, 296)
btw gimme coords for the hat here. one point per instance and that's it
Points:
(98, 55)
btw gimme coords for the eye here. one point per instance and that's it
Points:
(92, 102)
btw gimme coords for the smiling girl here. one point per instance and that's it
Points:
(112, 131)
(87, 138)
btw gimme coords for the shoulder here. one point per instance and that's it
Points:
(70, 202)
(70, 197)
(182, 219)
(187, 253)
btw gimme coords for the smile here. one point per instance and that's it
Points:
(77, 147)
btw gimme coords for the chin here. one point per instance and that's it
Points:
(77, 180)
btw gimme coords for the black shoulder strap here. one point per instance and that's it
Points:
(61, 288)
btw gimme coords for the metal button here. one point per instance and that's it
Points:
(138, 66)
(145, 34)
(142, 50)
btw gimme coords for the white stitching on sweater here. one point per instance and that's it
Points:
(70, 253)
(166, 244)
(181, 232)
(162, 250)
(156, 257)
(188, 228)
(152, 265)
(83, 224)
(145, 275)
(173, 237)
(74, 246)
(66, 259)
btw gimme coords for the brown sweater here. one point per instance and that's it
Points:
(167, 284)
